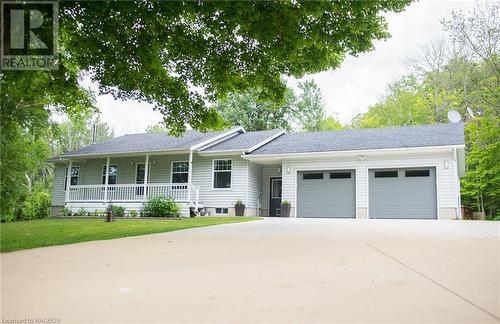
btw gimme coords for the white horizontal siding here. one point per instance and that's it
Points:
(203, 178)
(58, 192)
(446, 177)
(254, 185)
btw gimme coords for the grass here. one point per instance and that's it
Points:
(47, 232)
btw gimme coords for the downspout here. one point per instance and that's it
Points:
(146, 170)
(106, 181)
(457, 185)
(190, 175)
(68, 182)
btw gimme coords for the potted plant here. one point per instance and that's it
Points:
(239, 208)
(285, 208)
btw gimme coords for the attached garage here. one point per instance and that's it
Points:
(403, 193)
(326, 194)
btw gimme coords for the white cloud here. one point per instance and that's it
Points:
(352, 88)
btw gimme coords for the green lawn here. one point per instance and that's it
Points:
(46, 232)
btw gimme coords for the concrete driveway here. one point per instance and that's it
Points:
(274, 270)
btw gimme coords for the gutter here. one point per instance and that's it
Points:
(350, 152)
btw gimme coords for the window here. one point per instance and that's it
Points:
(276, 188)
(417, 173)
(180, 172)
(75, 174)
(221, 211)
(386, 174)
(340, 175)
(113, 172)
(312, 176)
(222, 174)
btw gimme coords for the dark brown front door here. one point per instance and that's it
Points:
(275, 197)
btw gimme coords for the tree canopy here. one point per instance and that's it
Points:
(180, 56)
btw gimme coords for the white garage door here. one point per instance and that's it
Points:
(403, 193)
(326, 194)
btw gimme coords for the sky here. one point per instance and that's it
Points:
(350, 89)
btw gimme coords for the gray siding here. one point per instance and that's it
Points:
(254, 185)
(58, 185)
(245, 185)
(203, 177)
(268, 171)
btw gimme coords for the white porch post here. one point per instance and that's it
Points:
(106, 180)
(190, 174)
(146, 170)
(68, 181)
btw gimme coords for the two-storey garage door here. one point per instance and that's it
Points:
(326, 194)
(403, 193)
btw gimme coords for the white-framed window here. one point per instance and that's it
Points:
(74, 176)
(222, 173)
(180, 170)
(112, 174)
(221, 211)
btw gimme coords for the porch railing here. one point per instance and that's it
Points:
(181, 192)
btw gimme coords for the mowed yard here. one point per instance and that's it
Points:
(47, 232)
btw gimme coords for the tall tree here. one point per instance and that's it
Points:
(330, 123)
(253, 113)
(310, 110)
(76, 133)
(28, 98)
(157, 128)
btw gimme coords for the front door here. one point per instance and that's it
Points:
(139, 178)
(275, 198)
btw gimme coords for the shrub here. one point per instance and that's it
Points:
(66, 212)
(161, 207)
(36, 205)
(285, 203)
(132, 213)
(117, 211)
(239, 203)
(80, 212)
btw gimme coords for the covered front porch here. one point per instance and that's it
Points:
(93, 183)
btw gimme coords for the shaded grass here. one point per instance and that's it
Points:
(47, 232)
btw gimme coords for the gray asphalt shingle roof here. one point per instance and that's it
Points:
(242, 141)
(144, 143)
(366, 139)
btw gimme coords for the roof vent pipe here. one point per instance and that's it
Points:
(94, 133)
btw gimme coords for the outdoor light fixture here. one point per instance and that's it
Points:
(154, 162)
(362, 158)
(446, 164)
(288, 169)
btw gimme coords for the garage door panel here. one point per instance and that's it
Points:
(412, 194)
(326, 197)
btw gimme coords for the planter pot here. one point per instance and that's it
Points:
(109, 217)
(239, 210)
(285, 210)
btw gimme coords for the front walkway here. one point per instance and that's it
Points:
(275, 270)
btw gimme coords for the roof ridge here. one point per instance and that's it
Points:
(377, 128)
